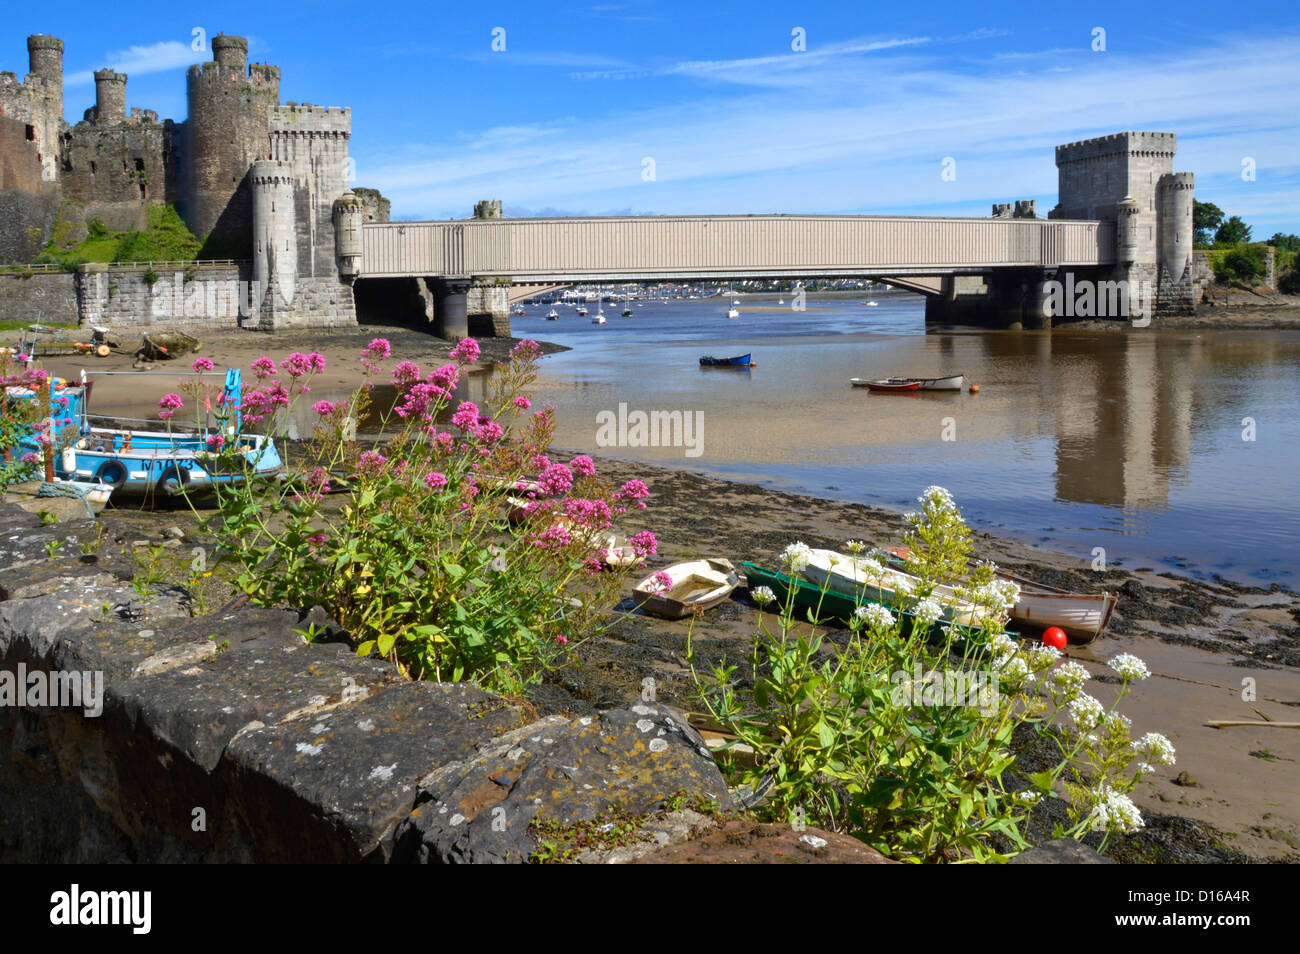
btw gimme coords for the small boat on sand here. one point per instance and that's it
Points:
(1082, 616)
(697, 585)
(852, 575)
(739, 361)
(164, 345)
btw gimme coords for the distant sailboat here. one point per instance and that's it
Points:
(627, 307)
(733, 311)
(599, 317)
(552, 315)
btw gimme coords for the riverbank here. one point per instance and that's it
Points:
(1201, 639)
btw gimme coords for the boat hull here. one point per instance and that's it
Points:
(698, 585)
(739, 361)
(843, 574)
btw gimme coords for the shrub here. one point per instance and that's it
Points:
(1243, 265)
(418, 561)
(903, 740)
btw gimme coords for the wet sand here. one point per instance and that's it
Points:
(1200, 639)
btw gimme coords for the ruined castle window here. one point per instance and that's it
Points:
(31, 133)
(92, 167)
(139, 165)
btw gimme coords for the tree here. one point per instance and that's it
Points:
(1206, 217)
(1233, 231)
(1289, 243)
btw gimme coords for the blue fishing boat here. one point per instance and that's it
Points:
(136, 463)
(739, 361)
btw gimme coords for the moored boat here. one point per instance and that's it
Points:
(696, 585)
(856, 576)
(1082, 616)
(886, 385)
(739, 361)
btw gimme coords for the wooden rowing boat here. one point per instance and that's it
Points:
(952, 382)
(1082, 616)
(739, 361)
(848, 574)
(887, 385)
(826, 603)
(697, 585)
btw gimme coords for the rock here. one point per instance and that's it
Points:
(566, 770)
(1061, 851)
(744, 842)
(176, 533)
(1185, 779)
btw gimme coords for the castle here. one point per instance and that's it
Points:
(263, 185)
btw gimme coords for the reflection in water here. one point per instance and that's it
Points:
(1130, 440)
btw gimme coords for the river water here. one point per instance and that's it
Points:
(1168, 449)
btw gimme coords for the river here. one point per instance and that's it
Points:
(1176, 450)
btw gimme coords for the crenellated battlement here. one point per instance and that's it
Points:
(1144, 144)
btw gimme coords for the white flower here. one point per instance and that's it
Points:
(926, 611)
(1043, 657)
(1146, 768)
(1002, 645)
(1085, 712)
(1116, 720)
(1129, 666)
(902, 586)
(876, 616)
(870, 569)
(1115, 812)
(881, 555)
(1027, 797)
(937, 497)
(1154, 747)
(1071, 676)
(855, 546)
(762, 595)
(1012, 667)
(796, 556)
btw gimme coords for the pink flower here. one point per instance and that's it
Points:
(447, 376)
(263, 367)
(632, 490)
(318, 481)
(29, 458)
(371, 463)
(540, 462)
(203, 364)
(523, 403)
(406, 373)
(420, 401)
(379, 348)
(525, 349)
(553, 537)
(561, 640)
(323, 407)
(316, 540)
(490, 432)
(589, 513)
(435, 481)
(317, 362)
(444, 441)
(216, 442)
(466, 416)
(169, 404)
(466, 352)
(583, 465)
(296, 365)
(555, 480)
(22, 358)
(661, 582)
(645, 544)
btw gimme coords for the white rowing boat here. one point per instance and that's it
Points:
(697, 585)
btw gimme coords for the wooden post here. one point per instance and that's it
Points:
(43, 397)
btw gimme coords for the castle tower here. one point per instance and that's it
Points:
(348, 213)
(1176, 233)
(110, 97)
(275, 247)
(1126, 244)
(230, 51)
(45, 56)
(229, 110)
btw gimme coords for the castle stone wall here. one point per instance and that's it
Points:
(115, 170)
(40, 297)
(314, 140)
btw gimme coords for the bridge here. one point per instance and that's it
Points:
(1123, 216)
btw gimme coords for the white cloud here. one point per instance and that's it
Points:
(138, 60)
(867, 133)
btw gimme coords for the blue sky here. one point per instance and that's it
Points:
(562, 120)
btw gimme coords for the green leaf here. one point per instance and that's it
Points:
(385, 643)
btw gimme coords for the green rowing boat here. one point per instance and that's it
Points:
(830, 604)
